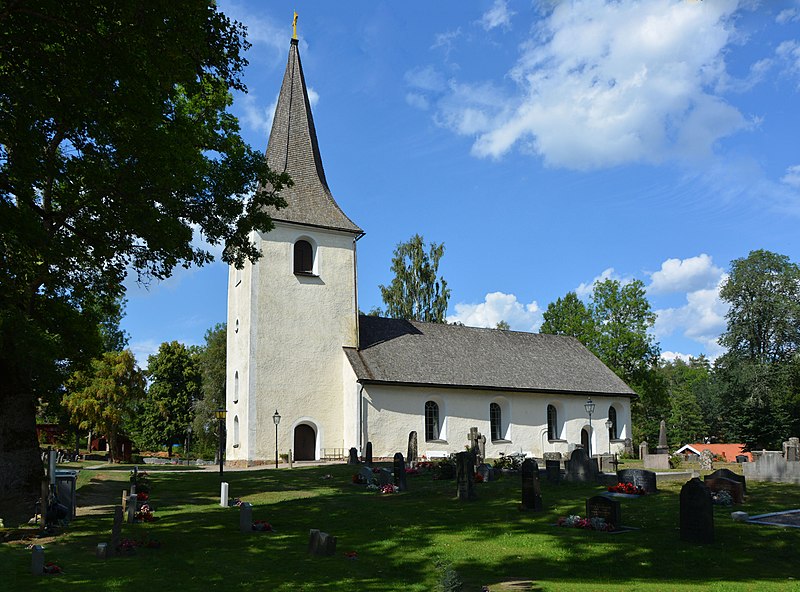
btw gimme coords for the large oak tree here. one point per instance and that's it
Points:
(116, 148)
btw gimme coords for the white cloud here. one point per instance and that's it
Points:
(607, 83)
(685, 275)
(789, 53)
(427, 78)
(584, 290)
(255, 116)
(497, 307)
(499, 15)
(788, 15)
(142, 349)
(701, 319)
(792, 176)
(260, 30)
(417, 101)
(670, 356)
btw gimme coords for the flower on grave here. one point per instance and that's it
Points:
(722, 498)
(142, 497)
(627, 488)
(145, 514)
(412, 471)
(389, 488)
(351, 555)
(52, 568)
(262, 526)
(595, 523)
(478, 478)
(126, 546)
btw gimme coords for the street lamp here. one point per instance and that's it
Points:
(609, 425)
(277, 419)
(221, 413)
(589, 406)
(188, 443)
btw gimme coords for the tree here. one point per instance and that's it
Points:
(417, 291)
(503, 326)
(101, 399)
(115, 146)
(569, 316)
(175, 387)
(212, 361)
(685, 423)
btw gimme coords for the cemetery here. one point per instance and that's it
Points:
(335, 527)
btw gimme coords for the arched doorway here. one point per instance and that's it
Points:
(585, 440)
(305, 442)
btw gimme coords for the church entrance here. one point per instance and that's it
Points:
(585, 440)
(305, 440)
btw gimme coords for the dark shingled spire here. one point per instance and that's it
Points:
(293, 148)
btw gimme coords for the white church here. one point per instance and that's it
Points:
(297, 346)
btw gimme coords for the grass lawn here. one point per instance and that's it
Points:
(399, 539)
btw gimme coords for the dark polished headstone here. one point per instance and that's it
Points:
(579, 468)
(116, 531)
(639, 477)
(531, 488)
(602, 507)
(352, 459)
(369, 454)
(553, 470)
(728, 474)
(400, 472)
(734, 488)
(696, 513)
(465, 470)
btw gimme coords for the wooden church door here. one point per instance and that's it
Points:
(585, 440)
(304, 442)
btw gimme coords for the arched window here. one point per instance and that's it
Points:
(612, 431)
(236, 431)
(236, 387)
(431, 421)
(552, 423)
(495, 419)
(303, 258)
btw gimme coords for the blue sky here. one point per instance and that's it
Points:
(547, 144)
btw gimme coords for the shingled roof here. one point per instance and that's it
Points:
(293, 148)
(395, 351)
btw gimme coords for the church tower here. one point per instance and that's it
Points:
(291, 313)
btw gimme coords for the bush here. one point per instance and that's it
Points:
(675, 461)
(445, 468)
(509, 461)
(449, 581)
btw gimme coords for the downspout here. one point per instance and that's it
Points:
(361, 418)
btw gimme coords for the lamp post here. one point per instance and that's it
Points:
(277, 419)
(221, 413)
(609, 425)
(188, 443)
(589, 406)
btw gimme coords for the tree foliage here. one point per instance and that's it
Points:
(116, 146)
(417, 291)
(211, 358)
(102, 398)
(569, 316)
(175, 387)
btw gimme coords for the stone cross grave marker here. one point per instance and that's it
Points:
(606, 508)
(639, 477)
(465, 476)
(246, 517)
(553, 470)
(531, 488)
(400, 472)
(116, 530)
(369, 454)
(411, 457)
(353, 457)
(321, 543)
(696, 513)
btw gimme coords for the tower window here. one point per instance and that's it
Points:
(303, 258)
(431, 421)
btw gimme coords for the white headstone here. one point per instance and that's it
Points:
(223, 495)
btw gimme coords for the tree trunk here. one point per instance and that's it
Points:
(21, 469)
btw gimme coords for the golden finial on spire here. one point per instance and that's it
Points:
(294, 26)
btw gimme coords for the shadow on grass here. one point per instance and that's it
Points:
(398, 538)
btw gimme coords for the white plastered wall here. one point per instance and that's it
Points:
(392, 412)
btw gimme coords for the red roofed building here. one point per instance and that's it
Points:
(727, 451)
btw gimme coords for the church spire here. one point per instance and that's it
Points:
(293, 148)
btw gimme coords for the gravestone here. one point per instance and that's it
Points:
(723, 484)
(411, 457)
(628, 447)
(37, 560)
(643, 450)
(579, 469)
(400, 472)
(791, 450)
(223, 494)
(384, 476)
(116, 530)
(246, 517)
(290, 459)
(366, 474)
(321, 543)
(465, 469)
(639, 477)
(706, 460)
(663, 447)
(696, 513)
(124, 500)
(133, 488)
(531, 488)
(728, 474)
(474, 437)
(369, 454)
(657, 462)
(131, 509)
(606, 508)
(101, 552)
(741, 458)
(482, 448)
(553, 470)
(485, 471)
(552, 456)
(353, 458)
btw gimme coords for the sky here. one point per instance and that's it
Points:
(547, 144)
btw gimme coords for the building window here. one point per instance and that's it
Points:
(431, 421)
(236, 387)
(303, 258)
(495, 421)
(552, 423)
(238, 276)
(236, 431)
(612, 431)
